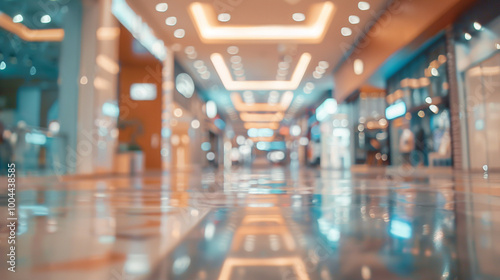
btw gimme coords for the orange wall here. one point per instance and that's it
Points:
(140, 68)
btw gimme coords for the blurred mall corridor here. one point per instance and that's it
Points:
(249, 139)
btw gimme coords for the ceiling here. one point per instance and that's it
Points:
(260, 57)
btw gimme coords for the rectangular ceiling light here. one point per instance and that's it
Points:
(255, 117)
(282, 106)
(312, 31)
(271, 125)
(231, 84)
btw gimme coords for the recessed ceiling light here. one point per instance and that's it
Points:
(189, 50)
(359, 66)
(310, 85)
(237, 66)
(17, 18)
(467, 36)
(323, 64)
(320, 70)
(317, 75)
(364, 6)
(299, 17)
(205, 76)
(161, 7)
(346, 31)
(202, 69)
(198, 64)
(235, 59)
(171, 21)
(45, 19)
(179, 33)
(224, 17)
(354, 19)
(477, 26)
(233, 50)
(498, 46)
(283, 65)
(3, 65)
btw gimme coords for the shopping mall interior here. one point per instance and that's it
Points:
(249, 139)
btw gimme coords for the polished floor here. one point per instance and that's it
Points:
(260, 223)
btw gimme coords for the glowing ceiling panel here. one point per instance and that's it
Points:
(311, 31)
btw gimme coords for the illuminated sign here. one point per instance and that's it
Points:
(396, 110)
(140, 91)
(328, 107)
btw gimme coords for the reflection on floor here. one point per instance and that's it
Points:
(275, 223)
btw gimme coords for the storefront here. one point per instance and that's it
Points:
(418, 110)
(371, 145)
(477, 48)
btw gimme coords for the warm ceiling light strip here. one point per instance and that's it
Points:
(230, 84)
(312, 31)
(271, 125)
(262, 139)
(255, 117)
(241, 106)
(30, 35)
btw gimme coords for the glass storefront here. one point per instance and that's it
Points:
(478, 65)
(420, 134)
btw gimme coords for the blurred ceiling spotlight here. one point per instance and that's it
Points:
(317, 75)
(178, 112)
(17, 18)
(233, 50)
(54, 127)
(364, 6)
(283, 65)
(295, 130)
(354, 19)
(477, 26)
(467, 36)
(198, 64)
(161, 7)
(428, 100)
(202, 69)
(189, 50)
(320, 70)
(224, 17)
(498, 46)
(206, 75)
(179, 33)
(359, 66)
(434, 72)
(235, 59)
(45, 19)
(211, 109)
(299, 17)
(310, 85)
(237, 66)
(434, 109)
(195, 124)
(346, 31)
(239, 72)
(323, 65)
(171, 21)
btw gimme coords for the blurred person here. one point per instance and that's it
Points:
(5, 150)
